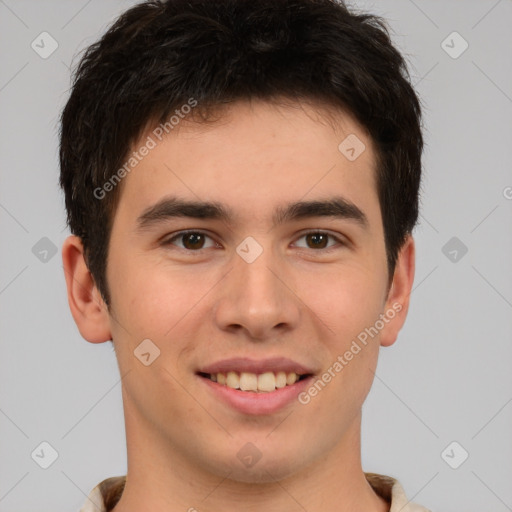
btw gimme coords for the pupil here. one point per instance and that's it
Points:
(318, 237)
(193, 239)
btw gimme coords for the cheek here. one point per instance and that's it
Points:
(347, 300)
(151, 300)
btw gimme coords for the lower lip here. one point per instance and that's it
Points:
(249, 402)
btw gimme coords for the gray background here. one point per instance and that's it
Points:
(447, 378)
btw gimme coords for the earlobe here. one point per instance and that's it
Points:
(397, 302)
(85, 302)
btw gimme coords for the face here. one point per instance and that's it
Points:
(255, 288)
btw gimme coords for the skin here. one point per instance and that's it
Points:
(294, 300)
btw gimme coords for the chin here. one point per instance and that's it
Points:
(263, 472)
(250, 465)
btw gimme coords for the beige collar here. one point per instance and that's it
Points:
(385, 486)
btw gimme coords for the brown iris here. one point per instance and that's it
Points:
(193, 240)
(319, 240)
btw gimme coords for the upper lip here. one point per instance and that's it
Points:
(244, 364)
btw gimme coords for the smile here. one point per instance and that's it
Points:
(266, 382)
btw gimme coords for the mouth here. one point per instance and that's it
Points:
(256, 387)
(265, 382)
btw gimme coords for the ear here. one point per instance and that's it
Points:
(85, 302)
(397, 302)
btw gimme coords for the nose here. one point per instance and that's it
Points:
(258, 298)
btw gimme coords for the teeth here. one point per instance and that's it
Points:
(280, 380)
(233, 380)
(264, 382)
(291, 378)
(248, 381)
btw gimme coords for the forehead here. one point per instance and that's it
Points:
(253, 154)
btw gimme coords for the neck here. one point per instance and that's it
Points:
(161, 477)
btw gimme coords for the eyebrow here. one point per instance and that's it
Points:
(172, 207)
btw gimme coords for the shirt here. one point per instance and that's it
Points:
(106, 494)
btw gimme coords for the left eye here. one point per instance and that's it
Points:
(192, 240)
(195, 240)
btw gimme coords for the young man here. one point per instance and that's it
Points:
(241, 181)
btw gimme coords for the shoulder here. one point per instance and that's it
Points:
(391, 490)
(104, 497)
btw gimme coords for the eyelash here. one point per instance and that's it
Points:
(180, 234)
